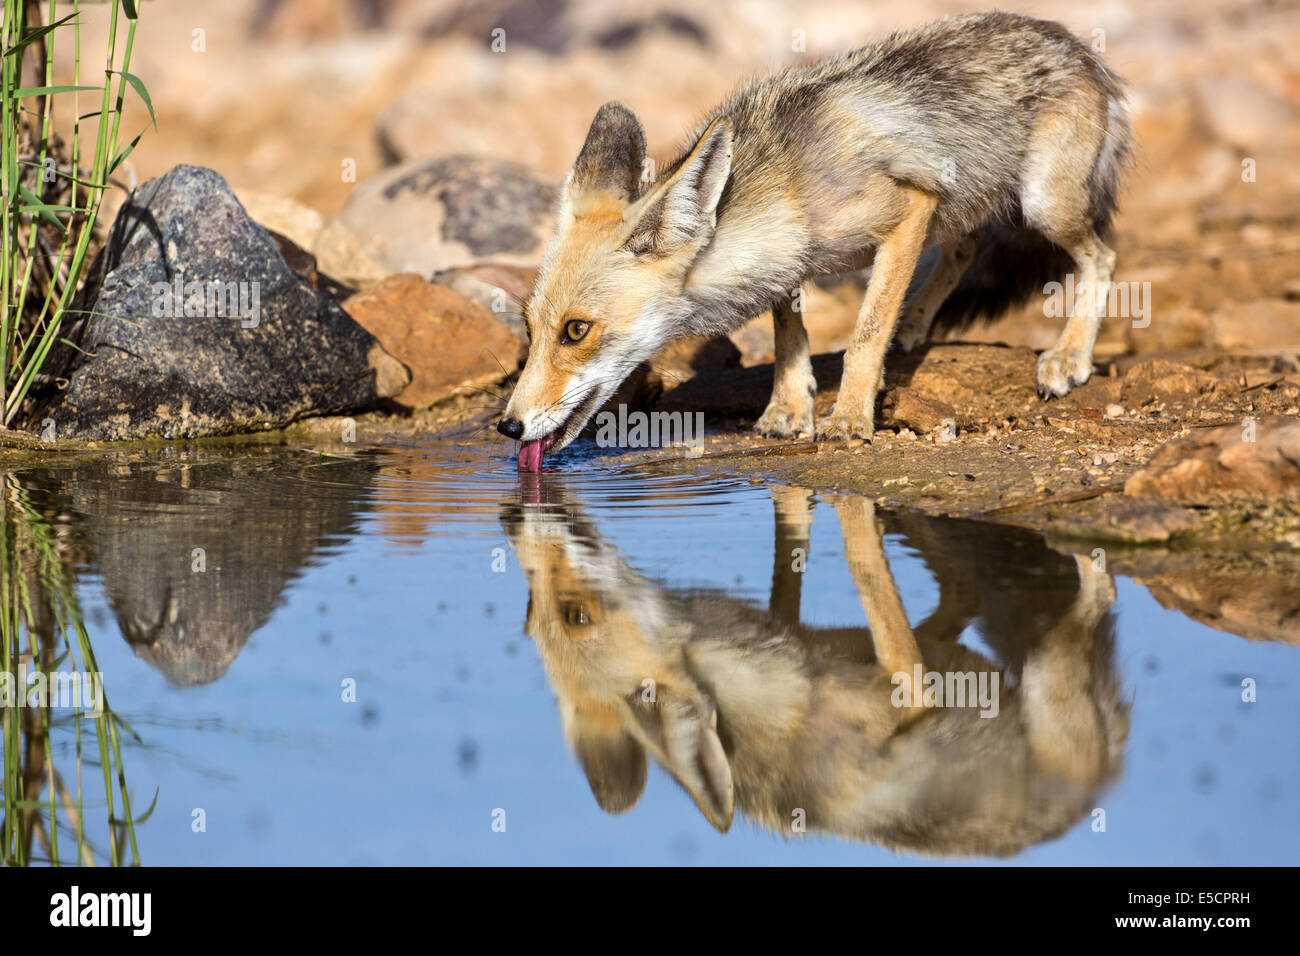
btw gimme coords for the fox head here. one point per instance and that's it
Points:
(623, 685)
(609, 293)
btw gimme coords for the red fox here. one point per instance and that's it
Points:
(754, 711)
(992, 142)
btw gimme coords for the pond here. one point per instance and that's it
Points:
(418, 656)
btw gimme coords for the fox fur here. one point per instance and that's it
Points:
(987, 147)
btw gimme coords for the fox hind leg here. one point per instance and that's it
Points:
(1066, 733)
(794, 390)
(864, 360)
(1069, 362)
(918, 313)
(1056, 198)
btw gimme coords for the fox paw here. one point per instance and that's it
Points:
(1096, 586)
(781, 421)
(1058, 372)
(845, 425)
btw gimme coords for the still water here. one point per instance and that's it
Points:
(418, 656)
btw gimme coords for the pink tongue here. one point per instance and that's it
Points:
(530, 455)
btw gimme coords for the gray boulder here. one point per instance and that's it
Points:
(435, 214)
(196, 325)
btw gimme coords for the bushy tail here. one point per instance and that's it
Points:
(1012, 264)
(1014, 260)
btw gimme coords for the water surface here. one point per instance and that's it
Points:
(417, 655)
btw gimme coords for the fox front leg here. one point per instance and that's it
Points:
(864, 361)
(790, 409)
(897, 652)
(793, 510)
(1062, 709)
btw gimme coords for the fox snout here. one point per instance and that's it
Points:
(555, 398)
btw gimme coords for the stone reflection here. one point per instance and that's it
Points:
(196, 551)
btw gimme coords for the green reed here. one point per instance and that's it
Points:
(41, 628)
(49, 196)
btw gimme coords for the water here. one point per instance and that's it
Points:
(418, 656)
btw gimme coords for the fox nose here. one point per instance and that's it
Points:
(511, 428)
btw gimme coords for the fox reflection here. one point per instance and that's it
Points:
(748, 708)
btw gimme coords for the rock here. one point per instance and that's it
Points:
(450, 342)
(342, 255)
(297, 21)
(1219, 466)
(434, 214)
(1147, 522)
(909, 409)
(457, 96)
(681, 360)
(260, 520)
(1263, 324)
(303, 264)
(557, 26)
(1242, 113)
(976, 381)
(742, 392)
(631, 30)
(540, 24)
(1180, 327)
(501, 289)
(1162, 380)
(755, 341)
(284, 215)
(1251, 604)
(259, 347)
(830, 310)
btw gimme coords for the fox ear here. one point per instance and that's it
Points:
(688, 734)
(612, 157)
(615, 765)
(685, 206)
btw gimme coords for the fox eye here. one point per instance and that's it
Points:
(575, 330)
(575, 615)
